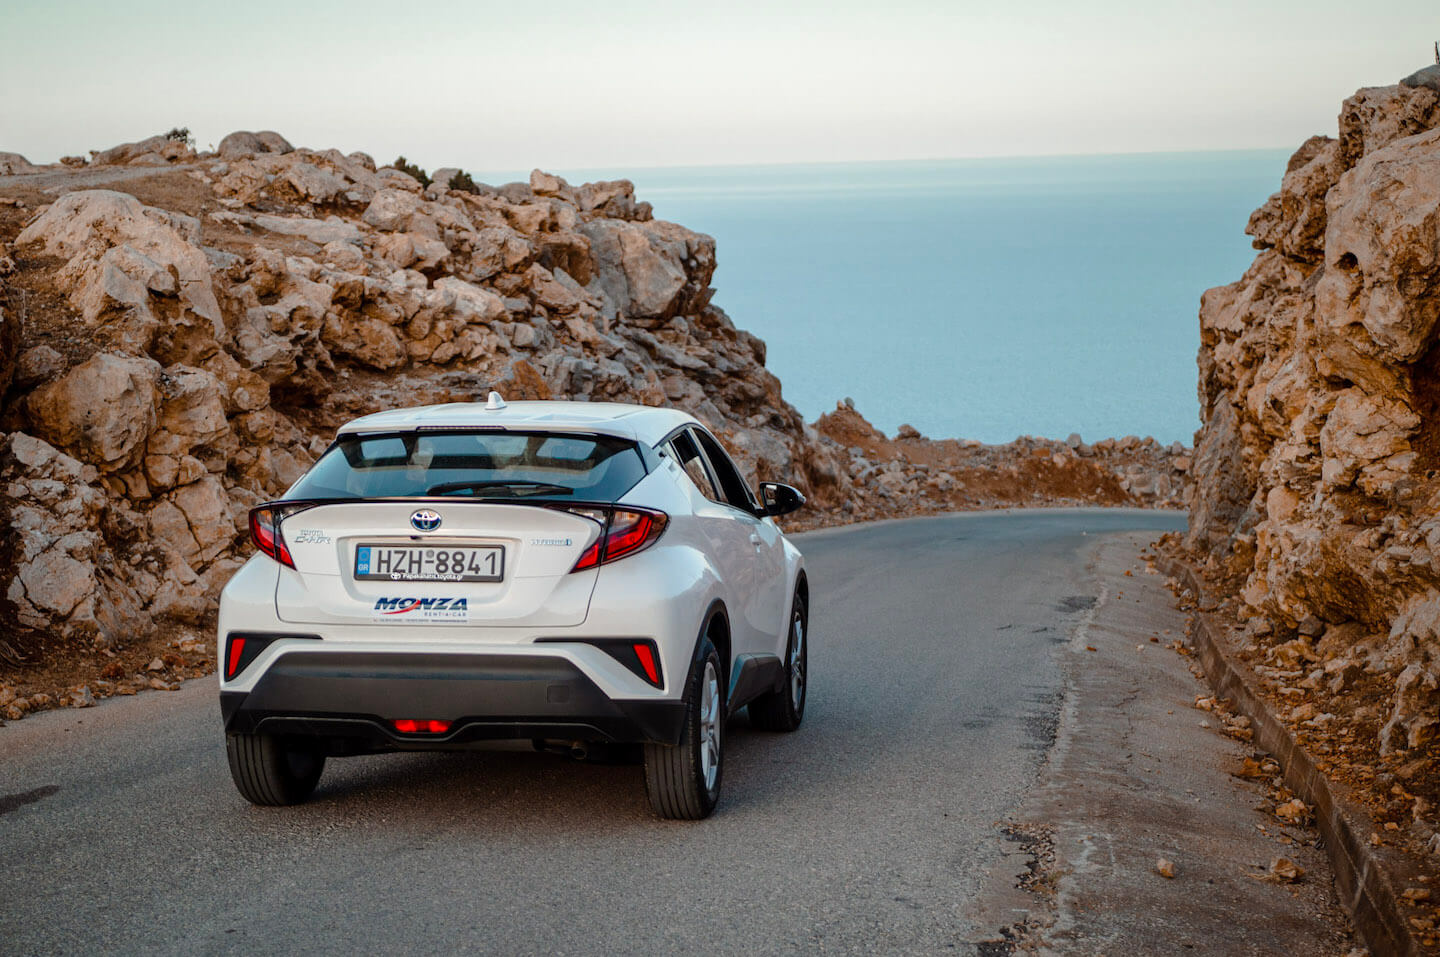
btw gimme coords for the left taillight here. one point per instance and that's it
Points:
(624, 532)
(266, 530)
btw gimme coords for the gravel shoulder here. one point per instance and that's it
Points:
(1139, 775)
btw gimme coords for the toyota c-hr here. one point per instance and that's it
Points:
(572, 573)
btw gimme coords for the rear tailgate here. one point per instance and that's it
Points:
(531, 549)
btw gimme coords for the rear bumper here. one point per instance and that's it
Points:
(350, 698)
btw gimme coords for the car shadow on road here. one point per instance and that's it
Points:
(515, 785)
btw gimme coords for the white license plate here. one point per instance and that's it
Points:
(430, 563)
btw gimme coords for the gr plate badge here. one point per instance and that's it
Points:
(425, 520)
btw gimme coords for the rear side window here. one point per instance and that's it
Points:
(736, 492)
(505, 466)
(684, 450)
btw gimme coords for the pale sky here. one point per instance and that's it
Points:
(622, 83)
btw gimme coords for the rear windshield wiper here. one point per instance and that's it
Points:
(517, 486)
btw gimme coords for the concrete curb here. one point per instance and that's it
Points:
(1364, 881)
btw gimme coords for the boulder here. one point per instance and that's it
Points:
(497, 249)
(191, 412)
(313, 184)
(547, 184)
(1428, 77)
(469, 301)
(85, 223)
(243, 143)
(101, 411)
(391, 209)
(127, 152)
(641, 269)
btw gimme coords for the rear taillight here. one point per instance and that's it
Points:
(265, 529)
(624, 532)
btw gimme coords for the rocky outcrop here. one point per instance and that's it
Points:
(1316, 475)
(12, 164)
(190, 362)
(160, 150)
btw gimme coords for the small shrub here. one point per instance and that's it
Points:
(464, 183)
(181, 134)
(415, 171)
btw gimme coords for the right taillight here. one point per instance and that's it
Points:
(624, 532)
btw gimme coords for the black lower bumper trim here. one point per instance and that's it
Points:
(351, 698)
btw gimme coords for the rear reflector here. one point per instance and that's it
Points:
(232, 662)
(639, 655)
(421, 726)
(243, 647)
(647, 662)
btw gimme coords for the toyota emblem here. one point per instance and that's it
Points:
(425, 520)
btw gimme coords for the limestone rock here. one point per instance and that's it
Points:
(650, 270)
(102, 410)
(320, 232)
(244, 143)
(85, 224)
(391, 209)
(1318, 377)
(129, 152)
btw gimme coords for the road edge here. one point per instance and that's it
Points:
(1363, 879)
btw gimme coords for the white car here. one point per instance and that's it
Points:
(573, 573)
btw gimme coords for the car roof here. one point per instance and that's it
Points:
(638, 422)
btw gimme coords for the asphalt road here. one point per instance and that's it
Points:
(935, 697)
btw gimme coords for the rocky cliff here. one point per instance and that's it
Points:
(184, 332)
(1318, 464)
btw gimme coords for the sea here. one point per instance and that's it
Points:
(977, 298)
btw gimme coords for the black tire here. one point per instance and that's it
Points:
(678, 779)
(784, 709)
(269, 772)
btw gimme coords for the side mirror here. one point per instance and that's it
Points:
(777, 499)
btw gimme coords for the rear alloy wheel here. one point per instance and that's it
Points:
(271, 772)
(683, 781)
(784, 708)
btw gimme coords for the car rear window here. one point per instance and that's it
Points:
(507, 466)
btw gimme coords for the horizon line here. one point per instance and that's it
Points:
(911, 159)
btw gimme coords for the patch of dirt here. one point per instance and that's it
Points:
(74, 673)
(45, 312)
(174, 190)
